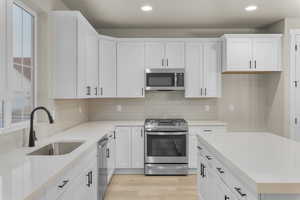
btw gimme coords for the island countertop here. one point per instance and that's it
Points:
(270, 163)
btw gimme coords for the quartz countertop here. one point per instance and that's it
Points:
(269, 163)
(26, 177)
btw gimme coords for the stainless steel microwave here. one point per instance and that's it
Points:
(164, 79)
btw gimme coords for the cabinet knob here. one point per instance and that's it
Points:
(226, 197)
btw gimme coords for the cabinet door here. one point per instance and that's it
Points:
(266, 54)
(83, 90)
(130, 73)
(137, 148)
(193, 141)
(194, 70)
(91, 53)
(155, 52)
(212, 70)
(239, 54)
(91, 178)
(223, 192)
(107, 68)
(123, 147)
(111, 158)
(174, 54)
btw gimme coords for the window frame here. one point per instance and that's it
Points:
(8, 125)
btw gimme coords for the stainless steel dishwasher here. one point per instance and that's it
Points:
(102, 167)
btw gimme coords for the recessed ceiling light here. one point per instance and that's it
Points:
(146, 8)
(251, 8)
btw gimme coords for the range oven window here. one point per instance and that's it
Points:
(160, 80)
(166, 145)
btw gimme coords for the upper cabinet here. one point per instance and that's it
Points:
(107, 68)
(74, 55)
(130, 69)
(169, 54)
(251, 52)
(203, 69)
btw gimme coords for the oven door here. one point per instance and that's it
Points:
(166, 147)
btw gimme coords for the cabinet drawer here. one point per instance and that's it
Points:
(64, 181)
(194, 130)
(60, 185)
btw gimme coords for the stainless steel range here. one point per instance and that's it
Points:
(166, 147)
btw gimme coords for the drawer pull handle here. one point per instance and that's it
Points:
(239, 190)
(65, 182)
(208, 157)
(220, 170)
(226, 197)
(208, 131)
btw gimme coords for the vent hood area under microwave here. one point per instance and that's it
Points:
(164, 79)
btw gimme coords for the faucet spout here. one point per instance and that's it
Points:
(32, 136)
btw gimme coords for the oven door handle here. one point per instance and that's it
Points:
(166, 133)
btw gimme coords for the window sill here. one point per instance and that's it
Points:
(15, 127)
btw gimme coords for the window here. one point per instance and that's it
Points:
(17, 65)
(21, 80)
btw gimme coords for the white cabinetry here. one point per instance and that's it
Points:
(123, 147)
(111, 155)
(79, 182)
(74, 55)
(130, 69)
(130, 147)
(203, 69)
(164, 54)
(107, 68)
(137, 150)
(250, 53)
(193, 141)
(215, 181)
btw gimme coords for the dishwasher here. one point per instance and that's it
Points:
(102, 167)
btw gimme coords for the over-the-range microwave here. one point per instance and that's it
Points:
(163, 79)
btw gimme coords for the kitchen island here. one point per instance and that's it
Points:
(252, 166)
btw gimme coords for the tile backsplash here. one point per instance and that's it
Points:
(154, 105)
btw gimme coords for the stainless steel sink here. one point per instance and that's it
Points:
(55, 149)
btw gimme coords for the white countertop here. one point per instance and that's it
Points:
(269, 162)
(24, 177)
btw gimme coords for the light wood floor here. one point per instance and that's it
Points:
(140, 187)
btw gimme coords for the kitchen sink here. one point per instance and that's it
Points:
(56, 149)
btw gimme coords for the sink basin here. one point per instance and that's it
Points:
(56, 149)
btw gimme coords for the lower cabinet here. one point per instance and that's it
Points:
(79, 183)
(129, 147)
(193, 140)
(217, 182)
(111, 155)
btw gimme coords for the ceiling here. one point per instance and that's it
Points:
(184, 13)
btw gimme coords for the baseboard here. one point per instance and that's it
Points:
(141, 171)
(129, 171)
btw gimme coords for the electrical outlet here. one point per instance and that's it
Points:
(119, 108)
(231, 107)
(207, 108)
